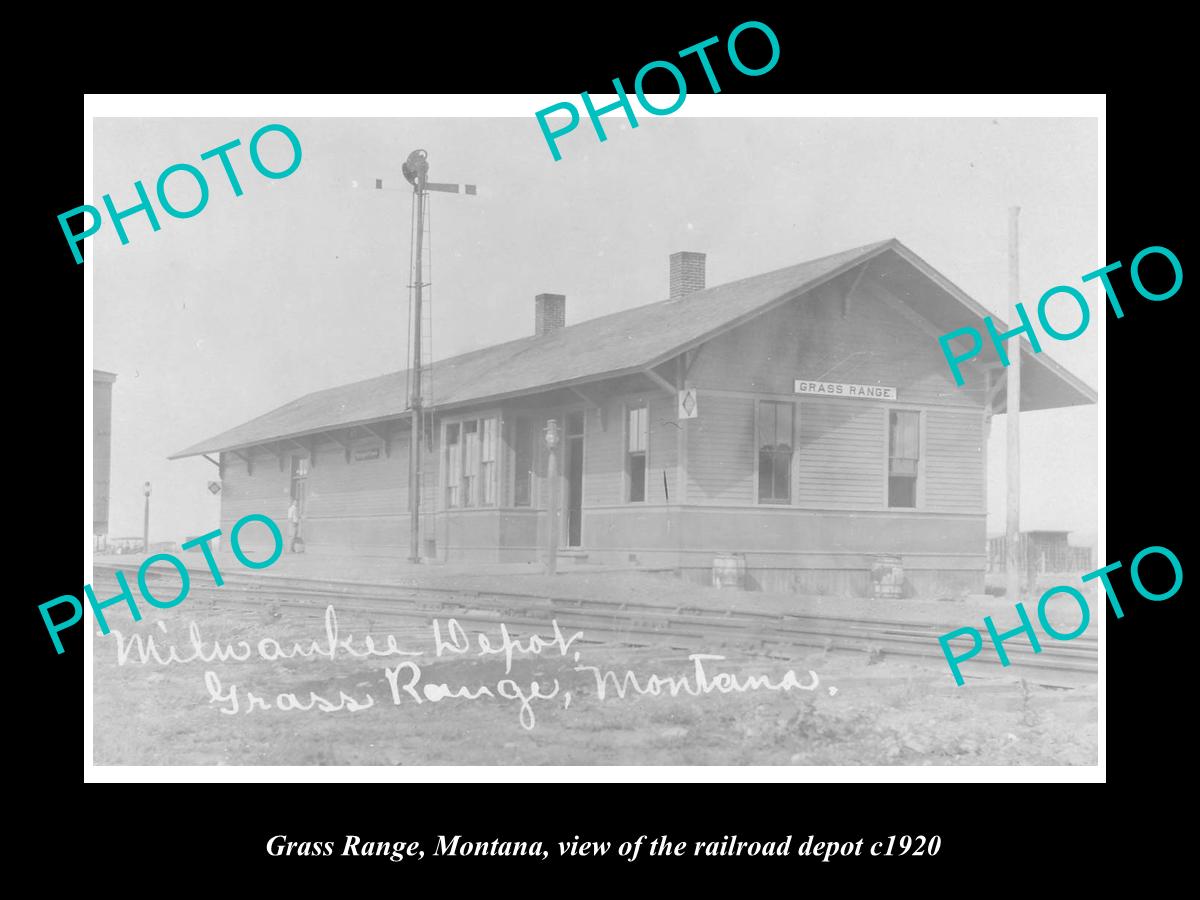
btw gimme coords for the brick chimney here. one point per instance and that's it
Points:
(550, 313)
(687, 273)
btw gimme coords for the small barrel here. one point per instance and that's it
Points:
(729, 570)
(887, 576)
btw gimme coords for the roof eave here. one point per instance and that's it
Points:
(208, 447)
(1085, 393)
(1078, 384)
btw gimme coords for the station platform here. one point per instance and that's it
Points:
(378, 570)
(583, 582)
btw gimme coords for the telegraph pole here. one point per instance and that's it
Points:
(1012, 565)
(552, 496)
(418, 168)
(146, 520)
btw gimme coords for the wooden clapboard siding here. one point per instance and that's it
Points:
(840, 454)
(664, 448)
(604, 450)
(604, 456)
(431, 468)
(361, 505)
(721, 454)
(810, 337)
(821, 551)
(360, 488)
(954, 448)
(267, 492)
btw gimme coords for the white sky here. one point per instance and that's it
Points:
(299, 284)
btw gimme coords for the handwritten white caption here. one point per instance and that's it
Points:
(404, 680)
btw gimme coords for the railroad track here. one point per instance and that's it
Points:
(630, 623)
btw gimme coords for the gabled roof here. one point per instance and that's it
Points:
(622, 343)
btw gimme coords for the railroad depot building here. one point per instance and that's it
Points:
(805, 418)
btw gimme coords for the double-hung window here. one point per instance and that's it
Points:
(471, 454)
(776, 445)
(470, 469)
(637, 439)
(904, 457)
(487, 463)
(453, 464)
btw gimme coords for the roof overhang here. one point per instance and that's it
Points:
(1045, 384)
(216, 446)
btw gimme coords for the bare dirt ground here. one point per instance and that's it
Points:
(862, 711)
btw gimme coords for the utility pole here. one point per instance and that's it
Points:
(416, 172)
(1012, 564)
(551, 496)
(146, 520)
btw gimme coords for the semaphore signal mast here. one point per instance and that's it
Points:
(416, 172)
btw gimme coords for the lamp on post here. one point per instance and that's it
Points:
(552, 496)
(146, 520)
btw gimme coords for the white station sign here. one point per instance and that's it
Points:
(689, 407)
(837, 389)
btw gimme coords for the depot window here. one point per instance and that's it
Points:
(637, 439)
(470, 457)
(904, 457)
(776, 446)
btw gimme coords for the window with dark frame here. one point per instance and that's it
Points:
(523, 444)
(637, 439)
(904, 456)
(453, 465)
(776, 426)
(471, 463)
(487, 462)
(470, 460)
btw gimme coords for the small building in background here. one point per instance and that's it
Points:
(1042, 552)
(102, 383)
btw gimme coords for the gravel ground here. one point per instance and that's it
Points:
(860, 711)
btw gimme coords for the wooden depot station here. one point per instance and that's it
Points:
(804, 418)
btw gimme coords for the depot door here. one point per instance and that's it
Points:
(573, 472)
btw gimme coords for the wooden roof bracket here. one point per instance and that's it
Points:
(345, 445)
(661, 382)
(249, 459)
(594, 404)
(384, 434)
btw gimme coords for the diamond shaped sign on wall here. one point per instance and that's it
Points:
(688, 405)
